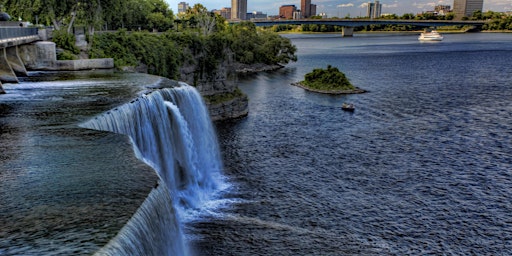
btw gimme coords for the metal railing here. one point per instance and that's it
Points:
(14, 32)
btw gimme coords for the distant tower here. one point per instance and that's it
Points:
(305, 8)
(183, 7)
(239, 9)
(374, 10)
(465, 8)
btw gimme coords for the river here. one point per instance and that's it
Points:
(423, 165)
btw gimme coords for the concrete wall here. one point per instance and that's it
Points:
(42, 56)
(84, 64)
(16, 60)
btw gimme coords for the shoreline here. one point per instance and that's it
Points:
(337, 92)
(255, 68)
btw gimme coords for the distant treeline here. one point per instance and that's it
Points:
(93, 14)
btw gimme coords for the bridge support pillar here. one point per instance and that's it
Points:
(6, 73)
(38, 55)
(347, 31)
(14, 59)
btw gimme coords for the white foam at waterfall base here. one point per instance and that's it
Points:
(171, 131)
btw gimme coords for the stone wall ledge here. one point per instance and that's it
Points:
(76, 65)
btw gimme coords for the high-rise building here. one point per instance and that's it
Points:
(224, 12)
(238, 9)
(374, 10)
(305, 8)
(464, 8)
(286, 11)
(183, 7)
(312, 10)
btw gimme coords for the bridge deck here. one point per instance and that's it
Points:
(366, 22)
(12, 36)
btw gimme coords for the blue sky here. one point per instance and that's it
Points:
(341, 8)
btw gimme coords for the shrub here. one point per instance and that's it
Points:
(65, 40)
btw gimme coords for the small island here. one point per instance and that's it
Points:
(329, 81)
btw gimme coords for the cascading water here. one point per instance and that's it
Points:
(172, 132)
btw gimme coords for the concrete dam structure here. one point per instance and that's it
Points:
(25, 49)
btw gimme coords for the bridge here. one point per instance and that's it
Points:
(10, 62)
(349, 24)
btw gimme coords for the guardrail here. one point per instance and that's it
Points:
(14, 32)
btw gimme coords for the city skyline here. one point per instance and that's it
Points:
(342, 8)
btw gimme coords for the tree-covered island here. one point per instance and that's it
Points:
(329, 81)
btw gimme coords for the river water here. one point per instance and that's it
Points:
(423, 165)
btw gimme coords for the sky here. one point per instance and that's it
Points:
(342, 8)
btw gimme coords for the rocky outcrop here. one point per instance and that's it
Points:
(217, 83)
(231, 109)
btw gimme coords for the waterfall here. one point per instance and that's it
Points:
(171, 131)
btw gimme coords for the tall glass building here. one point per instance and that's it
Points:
(373, 10)
(238, 9)
(464, 8)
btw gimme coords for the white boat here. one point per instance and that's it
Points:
(430, 36)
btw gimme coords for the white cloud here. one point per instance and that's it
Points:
(395, 5)
(346, 5)
(424, 5)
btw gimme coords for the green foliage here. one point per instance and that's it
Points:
(496, 21)
(259, 46)
(330, 79)
(66, 55)
(130, 49)
(94, 14)
(65, 41)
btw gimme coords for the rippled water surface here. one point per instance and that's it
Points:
(423, 166)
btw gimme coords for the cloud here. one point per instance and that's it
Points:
(424, 5)
(395, 5)
(346, 5)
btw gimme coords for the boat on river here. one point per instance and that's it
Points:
(348, 107)
(430, 36)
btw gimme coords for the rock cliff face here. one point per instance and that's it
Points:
(217, 84)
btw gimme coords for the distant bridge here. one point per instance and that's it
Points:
(349, 24)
